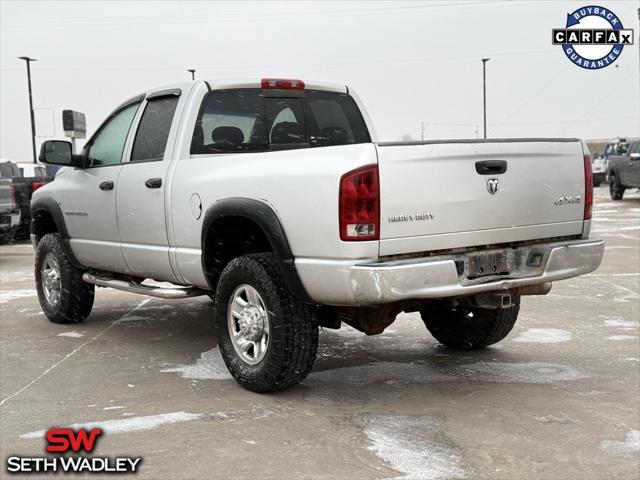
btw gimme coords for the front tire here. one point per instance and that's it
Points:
(64, 297)
(268, 338)
(465, 327)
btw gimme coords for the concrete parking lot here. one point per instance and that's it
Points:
(558, 398)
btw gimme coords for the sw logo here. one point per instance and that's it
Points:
(593, 37)
(66, 440)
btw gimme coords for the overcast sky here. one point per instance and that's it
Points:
(410, 62)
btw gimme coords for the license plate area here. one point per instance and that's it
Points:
(487, 264)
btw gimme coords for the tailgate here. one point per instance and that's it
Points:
(6, 197)
(442, 195)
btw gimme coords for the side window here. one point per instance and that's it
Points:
(153, 131)
(107, 146)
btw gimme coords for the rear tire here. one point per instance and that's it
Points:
(267, 337)
(615, 189)
(465, 327)
(64, 297)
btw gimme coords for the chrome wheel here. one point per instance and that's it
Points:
(50, 278)
(248, 324)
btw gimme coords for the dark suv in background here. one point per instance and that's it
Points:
(624, 170)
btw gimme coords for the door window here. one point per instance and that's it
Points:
(153, 131)
(107, 146)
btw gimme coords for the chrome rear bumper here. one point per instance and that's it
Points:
(439, 277)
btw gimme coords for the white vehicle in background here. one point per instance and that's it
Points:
(28, 169)
(599, 170)
(275, 198)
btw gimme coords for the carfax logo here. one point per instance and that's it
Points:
(69, 443)
(593, 37)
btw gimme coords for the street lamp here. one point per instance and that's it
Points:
(193, 73)
(484, 93)
(28, 60)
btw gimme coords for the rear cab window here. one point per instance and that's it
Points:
(246, 120)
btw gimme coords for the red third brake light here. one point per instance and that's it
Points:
(282, 83)
(359, 204)
(588, 187)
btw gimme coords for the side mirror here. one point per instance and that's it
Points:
(635, 156)
(59, 152)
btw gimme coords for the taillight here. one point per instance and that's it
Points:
(36, 185)
(588, 187)
(282, 83)
(359, 204)
(14, 204)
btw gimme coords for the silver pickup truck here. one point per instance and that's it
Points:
(275, 198)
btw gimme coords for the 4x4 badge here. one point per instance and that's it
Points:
(492, 185)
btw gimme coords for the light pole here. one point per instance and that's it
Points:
(193, 73)
(33, 121)
(484, 93)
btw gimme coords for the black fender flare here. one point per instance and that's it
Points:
(51, 207)
(612, 168)
(267, 219)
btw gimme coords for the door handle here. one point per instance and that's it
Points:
(153, 183)
(108, 185)
(491, 167)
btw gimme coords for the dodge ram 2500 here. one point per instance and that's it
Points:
(275, 198)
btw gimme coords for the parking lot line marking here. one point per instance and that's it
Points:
(73, 352)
